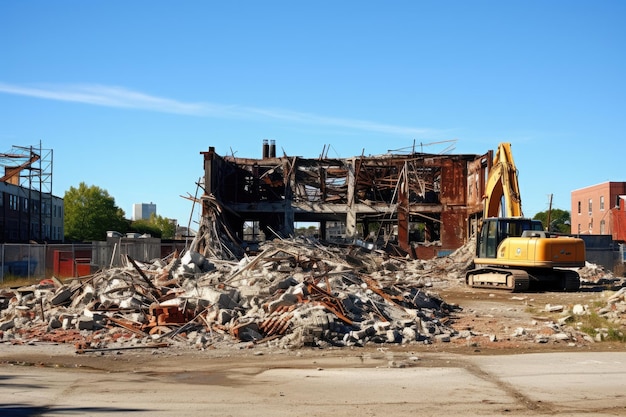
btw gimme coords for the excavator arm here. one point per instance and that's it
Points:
(502, 195)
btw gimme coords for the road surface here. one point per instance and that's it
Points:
(376, 382)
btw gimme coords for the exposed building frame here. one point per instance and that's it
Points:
(422, 204)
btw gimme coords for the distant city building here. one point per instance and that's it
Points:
(143, 211)
(599, 209)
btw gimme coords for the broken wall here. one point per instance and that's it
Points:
(421, 203)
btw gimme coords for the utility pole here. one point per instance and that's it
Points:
(549, 214)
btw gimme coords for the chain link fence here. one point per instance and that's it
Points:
(74, 260)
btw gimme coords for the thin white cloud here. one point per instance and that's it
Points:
(105, 96)
(120, 97)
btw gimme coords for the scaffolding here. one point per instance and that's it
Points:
(29, 170)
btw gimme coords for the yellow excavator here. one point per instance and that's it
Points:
(513, 252)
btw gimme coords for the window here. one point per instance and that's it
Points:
(601, 203)
(602, 232)
(591, 226)
(25, 205)
(13, 202)
(590, 206)
(1, 199)
(579, 207)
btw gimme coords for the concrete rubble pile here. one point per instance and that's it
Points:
(615, 309)
(294, 293)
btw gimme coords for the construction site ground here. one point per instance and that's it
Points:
(491, 315)
(453, 378)
(488, 352)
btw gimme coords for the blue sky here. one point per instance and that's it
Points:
(127, 94)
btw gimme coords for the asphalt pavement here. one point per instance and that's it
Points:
(537, 384)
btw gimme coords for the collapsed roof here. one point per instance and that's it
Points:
(423, 205)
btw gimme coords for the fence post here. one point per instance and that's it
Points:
(73, 260)
(45, 259)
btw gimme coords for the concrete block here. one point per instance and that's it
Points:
(131, 303)
(191, 257)
(250, 291)
(445, 337)
(85, 323)
(393, 336)
(249, 332)
(409, 334)
(224, 316)
(553, 308)
(6, 325)
(382, 326)
(54, 323)
(221, 299)
(61, 296)
(285, 284)
(560, 336)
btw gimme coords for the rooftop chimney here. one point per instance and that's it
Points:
(272, 148)
(266, 149)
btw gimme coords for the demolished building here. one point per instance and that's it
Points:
(294, 292)
(421, 205)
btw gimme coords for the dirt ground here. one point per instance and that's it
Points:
(497, 314)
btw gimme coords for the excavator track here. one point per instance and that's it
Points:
(570, 281)
(554, 280)
(513, 280)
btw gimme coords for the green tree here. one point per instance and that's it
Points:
(90, 212)
(156, 226)
(559, 221)
(143, 226)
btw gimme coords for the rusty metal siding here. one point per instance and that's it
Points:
(453, 228)
(453, 182)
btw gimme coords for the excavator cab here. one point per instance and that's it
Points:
(514, 252)
(495, 229)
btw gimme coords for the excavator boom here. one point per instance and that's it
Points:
(502, 195)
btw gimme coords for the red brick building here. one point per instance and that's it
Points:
(600, 210)
(619, 220)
